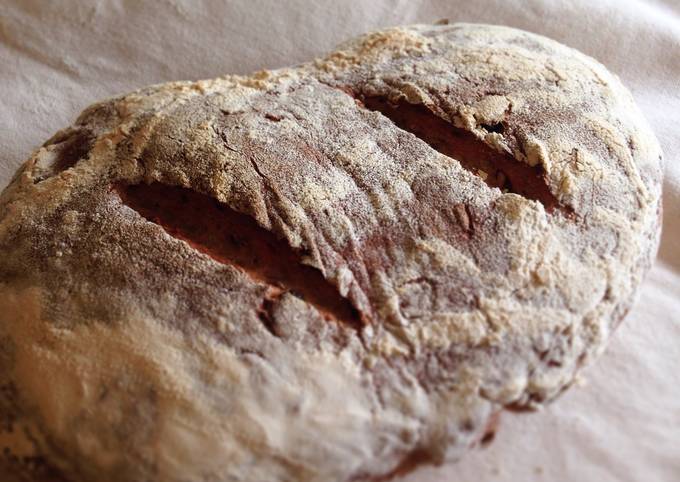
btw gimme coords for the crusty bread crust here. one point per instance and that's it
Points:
(332, 272)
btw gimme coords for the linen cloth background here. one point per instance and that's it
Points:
(56, 57)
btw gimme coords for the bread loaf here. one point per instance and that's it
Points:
(333, 272)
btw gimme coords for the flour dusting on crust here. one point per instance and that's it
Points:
(130, 351)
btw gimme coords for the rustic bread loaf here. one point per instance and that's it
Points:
(332, 272)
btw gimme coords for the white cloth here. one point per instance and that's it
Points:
(56, 57)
